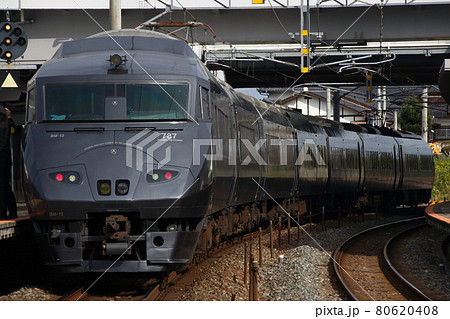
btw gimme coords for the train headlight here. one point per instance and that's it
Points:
(72, 178)
(104, 187)
(116, 60)
(122, 187)
(171, 227)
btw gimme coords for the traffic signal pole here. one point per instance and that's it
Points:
(13, 41)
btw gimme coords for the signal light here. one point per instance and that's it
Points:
(21, 41)
(17, 31)
(59, 177)
(13, 41)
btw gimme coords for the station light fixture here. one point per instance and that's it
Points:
(13, 41)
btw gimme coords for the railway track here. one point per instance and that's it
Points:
(155, 291)
(160, 291)
(78, 294)
(107, 291)
(364, 266)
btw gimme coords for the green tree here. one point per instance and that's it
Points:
(441, 189)
(410, 118)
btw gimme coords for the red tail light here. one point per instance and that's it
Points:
(168, 175)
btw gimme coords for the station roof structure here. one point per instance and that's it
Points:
(258, 43)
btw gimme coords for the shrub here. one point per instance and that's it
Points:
(441, 188)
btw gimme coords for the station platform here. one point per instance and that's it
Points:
(20, 225)
(438, 216)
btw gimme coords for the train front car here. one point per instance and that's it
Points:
(109, 172)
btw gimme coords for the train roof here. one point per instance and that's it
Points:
(125, 40)
(146, 53)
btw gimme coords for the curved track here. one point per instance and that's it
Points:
(364, 269)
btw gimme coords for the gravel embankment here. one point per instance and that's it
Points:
(306, 272)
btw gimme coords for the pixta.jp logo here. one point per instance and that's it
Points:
(144, 145)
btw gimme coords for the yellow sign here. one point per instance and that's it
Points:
(257, 1)
(9, 82)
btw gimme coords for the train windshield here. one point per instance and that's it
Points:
(97, 102)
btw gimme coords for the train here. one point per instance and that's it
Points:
(137, 158)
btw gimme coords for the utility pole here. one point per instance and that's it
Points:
(425, 114)
(329, 103)
(384, 109)
(379, 107)
(305, 35)
(395, 119)
(336, 106)
(115, 14)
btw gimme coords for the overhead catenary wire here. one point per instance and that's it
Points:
(380, 4)
(294, 79)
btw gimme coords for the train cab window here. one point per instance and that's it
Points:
(31, 106)
(157, 101)
(204, 111)
(75, 102)
(88, 102)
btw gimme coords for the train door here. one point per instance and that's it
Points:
(396, 166)
(296, 184)
(223, 132)
(261, 168)
(311, 163)
(249, 157)
(401, 166)
(361, 165)
(260, 195)
(233, 153)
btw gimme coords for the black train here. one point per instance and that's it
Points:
(133, 149)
